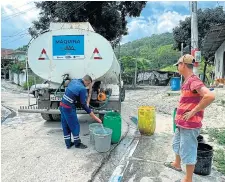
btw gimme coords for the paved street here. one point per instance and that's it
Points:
(33, 149)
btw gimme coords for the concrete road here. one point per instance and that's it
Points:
(33, 149)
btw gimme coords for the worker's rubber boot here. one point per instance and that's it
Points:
(71, 144)
(79, 145)
(68, 143)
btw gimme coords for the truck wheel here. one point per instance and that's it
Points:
(55, 117)
(47, 117)
(122, 94)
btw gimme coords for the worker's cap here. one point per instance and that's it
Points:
(187, 58)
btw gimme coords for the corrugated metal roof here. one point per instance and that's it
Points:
(214, 38)
(18, 52)
(5, 52)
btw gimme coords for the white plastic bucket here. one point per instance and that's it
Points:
(91, 128)
(102, 137)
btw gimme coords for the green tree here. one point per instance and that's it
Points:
(24, 48)
(153, 52)
(17, 68)
(206, 19)
(107, 17)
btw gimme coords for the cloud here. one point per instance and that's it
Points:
(19, 10)
(169, 20)
(157, 24)
(16, 18)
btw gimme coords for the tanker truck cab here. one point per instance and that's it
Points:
(70, 51)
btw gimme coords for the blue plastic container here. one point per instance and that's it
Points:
(175, 83)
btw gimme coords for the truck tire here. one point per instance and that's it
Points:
(122, 94)
(47, 117)
(55, 117)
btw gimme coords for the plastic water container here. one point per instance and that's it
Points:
(204, 159)
(175, 83)
(113, 121)
(91, 129)
(146, 120)
(102, 137)
(174, 117)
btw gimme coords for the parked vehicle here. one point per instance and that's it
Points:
(34, 89)
(70, 51)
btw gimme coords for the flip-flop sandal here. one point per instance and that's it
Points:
(169, 165)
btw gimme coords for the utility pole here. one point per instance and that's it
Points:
(119, 52)
(194, 33)
(181, 54)
(135, 76)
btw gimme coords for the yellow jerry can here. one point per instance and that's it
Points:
(146, 120)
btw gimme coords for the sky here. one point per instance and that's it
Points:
(156, 18)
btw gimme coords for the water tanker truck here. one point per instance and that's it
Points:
(70, 51)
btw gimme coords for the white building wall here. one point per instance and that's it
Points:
(22, 78)
(10, 75)
(219, 62)
(15, 78)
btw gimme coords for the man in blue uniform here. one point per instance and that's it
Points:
(76, 90)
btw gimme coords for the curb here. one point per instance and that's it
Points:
(117, 175)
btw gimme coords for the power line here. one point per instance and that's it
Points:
(21, 34)
(18, 38)
(21, 12)
(18, 7)
(17, 14)
(18, 33)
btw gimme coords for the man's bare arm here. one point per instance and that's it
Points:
(207, 98)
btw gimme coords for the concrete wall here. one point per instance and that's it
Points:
(22, 78)
(11, 75)
(219, 62)
(15, 78)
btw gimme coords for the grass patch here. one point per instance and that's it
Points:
(223, 102)
(218, 135)
(219, 160)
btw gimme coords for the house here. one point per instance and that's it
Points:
(214, 48)
(5, 53)
(155, 77)
(18, 55)
(6, 60)
(9, 57)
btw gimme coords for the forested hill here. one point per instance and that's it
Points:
(156, 52)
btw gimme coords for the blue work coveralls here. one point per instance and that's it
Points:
(75, 90)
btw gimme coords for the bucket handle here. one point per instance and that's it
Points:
(205, 157)
(206, 151)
